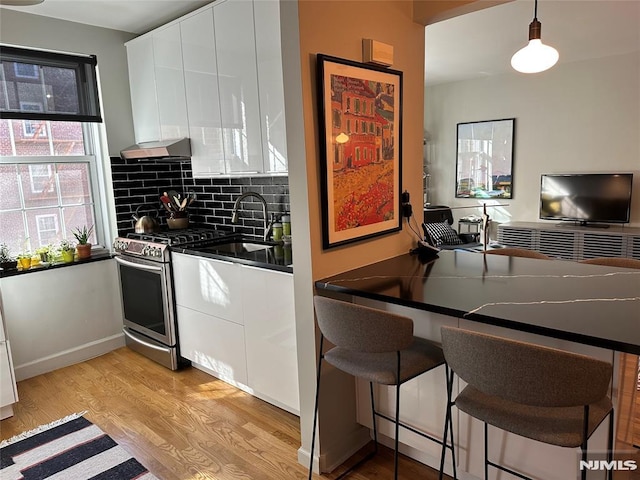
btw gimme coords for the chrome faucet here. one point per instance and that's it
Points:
(234, 215)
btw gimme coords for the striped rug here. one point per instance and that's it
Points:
(70, 448)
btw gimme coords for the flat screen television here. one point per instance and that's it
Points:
(586, 198)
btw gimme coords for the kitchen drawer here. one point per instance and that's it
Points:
(214, 343)
(209, 286)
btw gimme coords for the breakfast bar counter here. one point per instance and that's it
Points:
(588, 304)
(588, 309)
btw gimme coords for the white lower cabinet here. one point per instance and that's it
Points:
(8, 391)
(270, 336)
(238, 323)
(213, 343)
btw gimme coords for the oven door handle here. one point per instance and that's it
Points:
(141, 266)
(137, 339)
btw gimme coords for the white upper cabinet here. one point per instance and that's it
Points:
(201, 84)
(238, 86)
(142, 83)
(170, 92)
(271, 85)
(215, 76)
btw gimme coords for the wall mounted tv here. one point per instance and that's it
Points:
(586, 198)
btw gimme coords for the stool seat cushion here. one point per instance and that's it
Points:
(561, 426)
(421, 356)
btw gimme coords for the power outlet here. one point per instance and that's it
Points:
(405, 197)
(407, 210)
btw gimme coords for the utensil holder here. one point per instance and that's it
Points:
(177, 223)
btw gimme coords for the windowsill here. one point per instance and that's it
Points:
(97, 256)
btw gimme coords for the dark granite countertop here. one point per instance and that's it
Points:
(276, 257)
(587, 304)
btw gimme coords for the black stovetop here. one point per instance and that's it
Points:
(179, 237)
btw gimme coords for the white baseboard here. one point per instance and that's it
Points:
(337, 454)
(68, 357)
(6, 412)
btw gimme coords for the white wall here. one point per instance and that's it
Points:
(61, 316)
(24, 29)
(576, 117)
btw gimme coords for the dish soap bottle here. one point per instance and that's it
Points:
(286, 224)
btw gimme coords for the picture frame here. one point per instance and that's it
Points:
(360, 126)
(484, 159)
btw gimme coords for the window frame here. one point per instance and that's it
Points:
(94, 184)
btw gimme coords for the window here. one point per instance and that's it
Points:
(33, 127)
(25, 70)
(40, 178)
(48, 165)
(47, 229)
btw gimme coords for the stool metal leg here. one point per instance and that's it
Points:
(448, 426)
(585, 439)
(373, 417)
(315, 409)
(486, 452)
(610, 445)
(395, 458)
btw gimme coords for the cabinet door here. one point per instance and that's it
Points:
(270, 336)
(172, 104)
(214, 343)
(201, 86)
(7, 381)
(209, 286)
(238, 86)
(142, 85)
(271, 85)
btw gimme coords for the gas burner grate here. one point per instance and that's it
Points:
(178, 237)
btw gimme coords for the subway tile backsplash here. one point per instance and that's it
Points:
(140, 183)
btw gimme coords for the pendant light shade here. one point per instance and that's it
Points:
(536, 56)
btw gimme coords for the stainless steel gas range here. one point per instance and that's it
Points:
(144, 268)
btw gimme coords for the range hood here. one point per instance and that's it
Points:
(178, 149)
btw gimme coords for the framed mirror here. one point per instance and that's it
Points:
(484, 167)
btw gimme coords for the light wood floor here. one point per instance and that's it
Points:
(180, 425)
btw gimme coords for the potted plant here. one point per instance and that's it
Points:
(7, 262)
(46, 254)
(82, 236)
(67, 251)
(24, 259)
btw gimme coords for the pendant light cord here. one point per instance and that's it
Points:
(535, 10)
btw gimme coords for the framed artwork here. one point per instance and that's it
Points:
(360, 109)
(484, 161)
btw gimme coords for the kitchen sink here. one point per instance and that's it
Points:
(239, 247)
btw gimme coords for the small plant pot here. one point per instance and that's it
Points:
(67, 256)
(9, 265)
(84, 251)
(25, 263)
(177, 223)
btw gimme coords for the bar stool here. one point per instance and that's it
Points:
(377, 346)
(548, 395)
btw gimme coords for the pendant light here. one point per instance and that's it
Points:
(536, 56)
